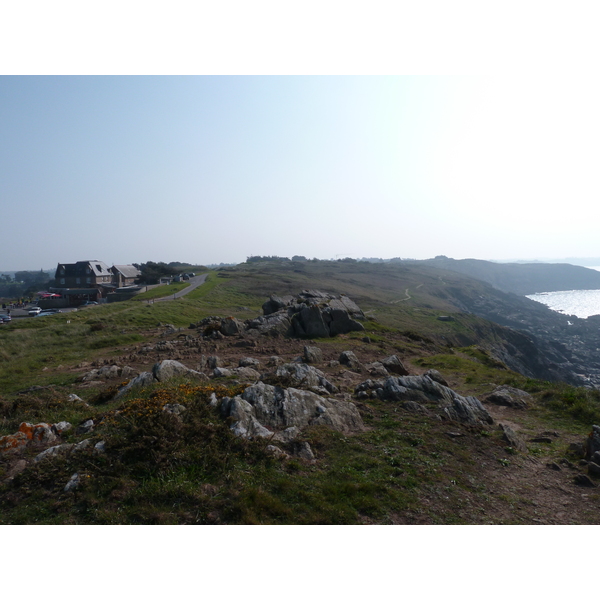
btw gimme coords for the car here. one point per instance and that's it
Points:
(88, 303)
(48, 311)
(34, 310)
(5, 318)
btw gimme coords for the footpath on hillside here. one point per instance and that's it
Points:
(194, 283)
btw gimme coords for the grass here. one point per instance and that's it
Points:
(162, 291)
(191, 470)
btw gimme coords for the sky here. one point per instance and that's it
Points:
(209, 168)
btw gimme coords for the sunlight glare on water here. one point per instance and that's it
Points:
(581, 303)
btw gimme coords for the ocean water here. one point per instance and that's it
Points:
(581, 303)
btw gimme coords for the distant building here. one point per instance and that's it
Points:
(90, 280)
(124, 275)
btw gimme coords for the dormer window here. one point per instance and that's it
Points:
(99, 268)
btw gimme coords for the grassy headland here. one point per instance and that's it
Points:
(404, 468)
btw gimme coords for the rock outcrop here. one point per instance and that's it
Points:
(161, 372)
(505, 395)
(281, 413)
(311, 314)
(433, 396)
(301, 375)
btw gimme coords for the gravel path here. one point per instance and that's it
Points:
(194, 283)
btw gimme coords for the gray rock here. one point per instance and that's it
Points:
(141, 381)
(349, 359)
(246, 373)
(277, 324)
(231, 326)
(394, 365)
(81, 445)
(213, 362)
(304, 451)
(100, 447)
(273, 304)
(593, 442)
(85, 427)
(61, 449)
(167, 369)
(338, 321)
(583, 480)
(264, 406)
(274, 361)
(505, 395)
(128, 372)
(308, 323)
(75, 398)
(376, 369)
(222, 372)
(73, 483)
(512, 438)
(248, 361)
(61, 427)
(312, 354)
(443, 400)
(245, 423)
(287, 435)
(436, 376)
(301, 375)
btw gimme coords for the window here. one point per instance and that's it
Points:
(88, 280)
(99, 268)
(78, 280)
(62, 282)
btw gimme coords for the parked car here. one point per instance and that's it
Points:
(5, 318)
(34, 310)
(88, 303)
(48, 311)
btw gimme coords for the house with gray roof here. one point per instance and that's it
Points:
(91, 280)
(124, 275)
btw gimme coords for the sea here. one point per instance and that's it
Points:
(580, 303)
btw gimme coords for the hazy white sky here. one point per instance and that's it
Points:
(209, 169)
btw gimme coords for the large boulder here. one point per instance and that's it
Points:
(505, 395)
(167, 369)
(312, 354)
(394, 365)
(265, 410)
(436, 397)
(349, 359)
(276, 324)
(231, 326)
(308, 323)
(310, 314)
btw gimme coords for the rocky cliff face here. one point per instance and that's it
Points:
(541, 342)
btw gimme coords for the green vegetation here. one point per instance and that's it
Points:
(162, 291)
(161, 468)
